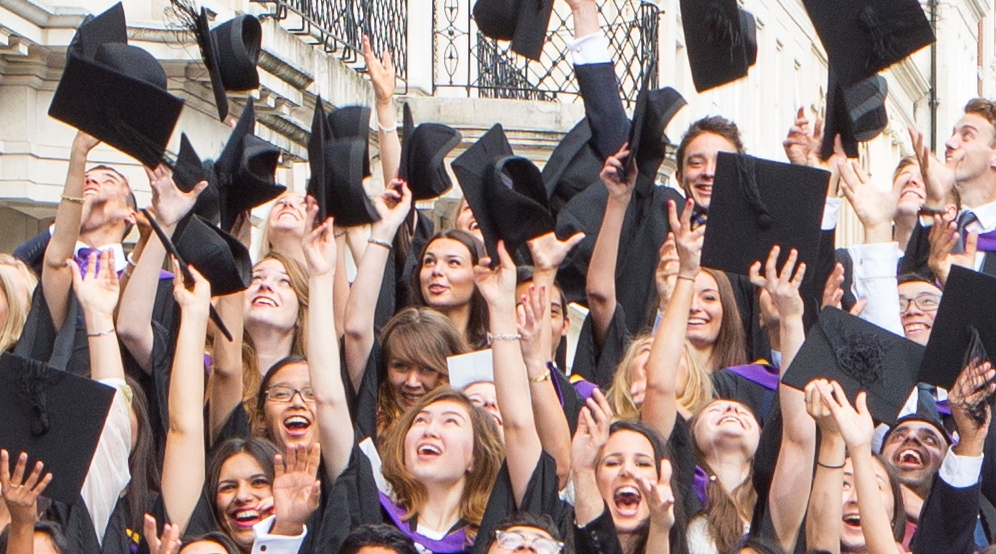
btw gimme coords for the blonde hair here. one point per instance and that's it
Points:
(487, 458)
(698, 388)
(265, 247)
(18, 305)
(620, 395)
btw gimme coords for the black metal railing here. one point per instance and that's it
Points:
(469, 63)
(338, 27)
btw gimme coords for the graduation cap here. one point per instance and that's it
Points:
(647, 142)
(353, 122)
(338, 165)
(115, 92)
(863, 37)
(243, 176)
(188, 170)
(524, 22)
(473, 367)
(861, 356)
(572, 166)
(423, 150)
(56, 417)
(221, 258)
(856, 113)
(721, 39)
(757, 204)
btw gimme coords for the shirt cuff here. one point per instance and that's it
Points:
(590, 49)
(830, 211)
(960, 471)
(266, 543)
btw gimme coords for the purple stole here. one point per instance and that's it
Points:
(762, 374)
(699, 482)
(453, 543)
(987, 242)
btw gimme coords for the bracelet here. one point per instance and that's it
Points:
(126, 273)
(686, 277)
(101, 333)
(379, 242)
(510, 336)
(73, 199)
(393, 129)
(539, 379)
(821, 464)
(131, 259)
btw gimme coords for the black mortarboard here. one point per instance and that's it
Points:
(55, 417)
(115, 92)
(524, 22)
(964, 327)
(861, 356)
(188, 170)
(863, 37)
(647, 142)
(757, 204)
(423, 150)
(353, 122)
(244, 175)
(721, 39)
(856, 113)
(572, 166)
(230, 52)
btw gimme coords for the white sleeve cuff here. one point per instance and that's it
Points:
(960, 471)
(830, 210)
(590, 49)
(266, 543)
(874, 272)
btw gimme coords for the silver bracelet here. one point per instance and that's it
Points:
(383, 129)
(510, 336)
(379, 242)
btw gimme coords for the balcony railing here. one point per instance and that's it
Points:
(468, 63)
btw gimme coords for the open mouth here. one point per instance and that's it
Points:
(915, 191)
(245, 518)
(408, 398)
(697, 321)
(627, 500)
(437, 289)
(297, 425)
(427, 451)
(853, 521)
(704, 189)
(729, 419)
(909, 458)
(914, 328)
(264, 301)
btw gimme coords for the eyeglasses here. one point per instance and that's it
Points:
(286, 394)
(927, 302)
(510, 540)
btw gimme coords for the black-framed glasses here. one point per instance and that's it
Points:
(510, 540)
(926, 302)
(286, 394)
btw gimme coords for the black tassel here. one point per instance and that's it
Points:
(748, 182)
(723, 31)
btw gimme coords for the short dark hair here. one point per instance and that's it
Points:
(915, 278)
(50, 528)
(385, 536)
(216, 537)
(260, 449)
(524, 274)
(129, 198)
(715, 124)
(543, 522)
(986, 109)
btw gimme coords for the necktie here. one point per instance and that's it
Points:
(82, 258)
(964, 220)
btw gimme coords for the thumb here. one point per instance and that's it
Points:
(861, 403)
(199, 187)
(665, 473)
(971, 244)
(149, 530)
(574, 240)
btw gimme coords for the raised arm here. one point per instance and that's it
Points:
(381, 72)
(183, 464)
(938, 178)
(660, 499)
(21, 499)
(875, 208)
(98, 296)
(660, 404)
(792, 479)
(522, 443)
(825, 512)
(334, 424)
(56, 277)
(601, 284)
(392, 205)
(590, 437)
(802, 146)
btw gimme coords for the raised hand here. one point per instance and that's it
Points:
(619, 185)
(875, 208)
(592, 432)
(319, 245)
(98, 291)
(496, 285)
(802, 146)
(20, 494)
(782, 287)
(687, 242)
(969, 398)
(381, 72)
(529, 315)
(196, 297)
(296, 490)
(84, 143)
(667, 270)
(943, 238)
(393, 205)
(854, 422)
(659, 497)
(167, 543)
(818, 408)
(548, 251)
(938, 179)
(170, 203)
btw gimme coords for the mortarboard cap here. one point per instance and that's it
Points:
(861, 356)
(721, 39)
(56, 417)
(188, 170)
(757, 204)
(352, 122)
(524, 22)
(230, 52)
(863, 37)
(964, 327)
(647, 141)
(572, 166)
(422, 157)
(115, 92)
(856, 113)
(473, 367)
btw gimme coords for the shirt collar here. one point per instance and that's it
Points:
(986, 214)
(120, 261)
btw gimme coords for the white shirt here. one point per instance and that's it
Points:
(985, 222)
(265, 543)
(109, 474)
(590, 49)
(874, 274)
(120, 260)
(960, 471)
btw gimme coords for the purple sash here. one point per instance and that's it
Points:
(699, 482)
(987, 242)
(453, 543)
(585, 388)
(943, 407)
(762, 374)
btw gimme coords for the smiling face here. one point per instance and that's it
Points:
(439, 445)
(410, 380)
(466, 221)
(971, 150)
(287, 216)
(203, 547)
(270, 298)
(483, 395)
(726, 424)
(447, 275)
(292, 422)
(699, 165)
(918, 321)
(915, 449)
(851, 537)
(108, 195)
(242, 487)
(909, 185)
(705, 318)
(626, 455)
(559, 322)
(638, 374)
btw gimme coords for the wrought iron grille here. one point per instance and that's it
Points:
(468, 63)
(338, 26)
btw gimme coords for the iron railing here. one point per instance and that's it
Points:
(338, 27)
(468, 63)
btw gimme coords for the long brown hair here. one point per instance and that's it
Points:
(488, 455)
(416, 336)
(17, 309)
(730, 348)
(619, 394)
(477, 323)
